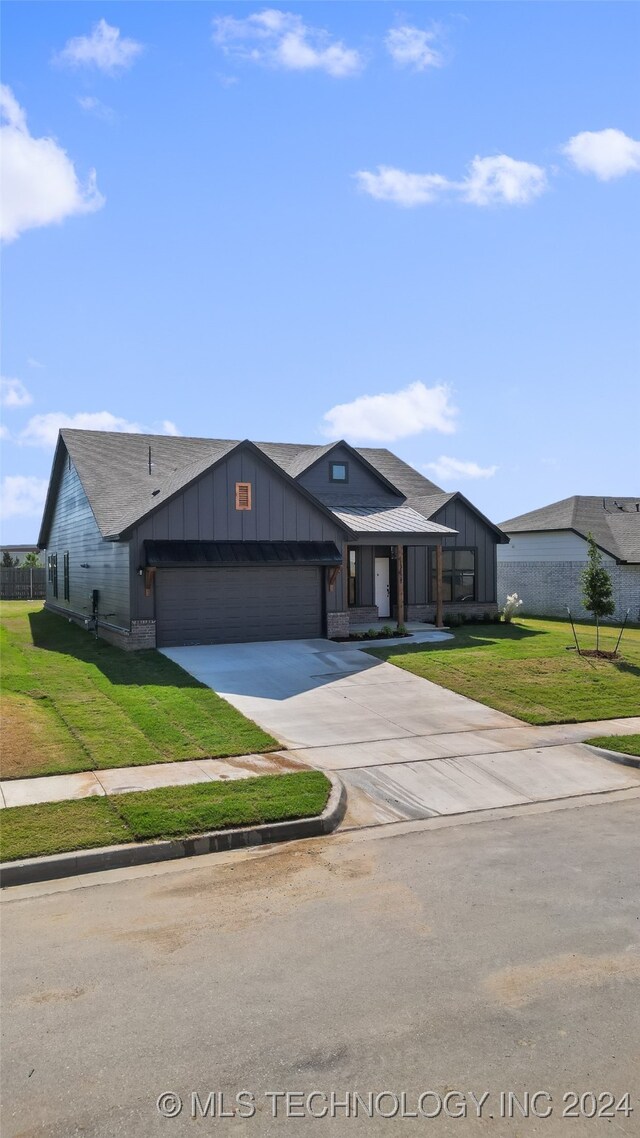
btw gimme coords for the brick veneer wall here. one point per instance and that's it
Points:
(546, 588)
(363, 613)
(337, 624)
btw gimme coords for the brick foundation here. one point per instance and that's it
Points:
(141, 636)
(428, 612)
(363, 614)
(337, 624)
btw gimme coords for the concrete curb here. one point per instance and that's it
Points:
(614, 756)
(34, 869)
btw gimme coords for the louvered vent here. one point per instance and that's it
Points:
(243, 495)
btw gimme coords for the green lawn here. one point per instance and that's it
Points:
(172, 812)
(73, 703)
(526, 670)
(625, 744)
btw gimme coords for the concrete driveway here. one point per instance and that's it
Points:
(405, 747)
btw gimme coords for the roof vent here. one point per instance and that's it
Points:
(618, 506)
(154, 492)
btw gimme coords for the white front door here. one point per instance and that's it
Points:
(382, 586)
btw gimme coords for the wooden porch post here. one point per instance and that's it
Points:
(400, 582)
(439, 616)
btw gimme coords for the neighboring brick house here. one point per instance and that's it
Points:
(547, 553)
(167, 540)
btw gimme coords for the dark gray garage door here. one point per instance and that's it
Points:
(225, 605)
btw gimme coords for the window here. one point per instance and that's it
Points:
(243, 495)
(458, 575)
(352, 578)
(65, 575)
(338, 471)
(52, 566)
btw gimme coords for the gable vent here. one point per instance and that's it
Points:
(243, 495)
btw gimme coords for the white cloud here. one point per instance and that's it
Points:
(401, 187)
(413, 47)
(282, 39)
(606, 153)
(33, 362)
(22, 496)
(42, 430)
(4, 432)
(104, 49)
(13, 393)
(449, 469)
(96, 107)
(502, 179)
(39, 183)
(489, 181)
(393, 415)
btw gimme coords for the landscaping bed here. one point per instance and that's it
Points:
(74, 703)
(384, 633)
(527, 669)
(169, 812)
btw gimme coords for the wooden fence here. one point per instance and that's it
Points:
(24, 584)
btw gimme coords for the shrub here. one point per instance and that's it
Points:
(454, 621)
(513, 603)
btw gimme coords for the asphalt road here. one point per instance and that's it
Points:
(501, 956)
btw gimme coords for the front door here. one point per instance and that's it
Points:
(382, 586)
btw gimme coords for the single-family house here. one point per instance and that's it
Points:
(547, 553)
(163, 540)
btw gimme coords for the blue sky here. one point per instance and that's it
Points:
(414, 226)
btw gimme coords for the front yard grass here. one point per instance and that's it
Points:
(170, 812)
(525, 669)
(625, 744)
(74, 703)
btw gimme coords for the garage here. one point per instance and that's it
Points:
(244, 603)
(234, 592)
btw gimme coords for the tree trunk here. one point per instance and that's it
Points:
(597, 634)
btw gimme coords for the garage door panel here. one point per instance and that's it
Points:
(225, 605)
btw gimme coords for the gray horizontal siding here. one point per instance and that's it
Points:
(74, 530)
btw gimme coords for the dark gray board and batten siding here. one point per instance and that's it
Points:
(206, 511)
(93, 562)
(362, 482)
(472, 533)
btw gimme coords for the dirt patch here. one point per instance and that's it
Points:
(55, 995)
(32, 739)
(515, 987)
(600, 654)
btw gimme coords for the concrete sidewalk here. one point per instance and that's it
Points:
(372, 771)
(84, 784)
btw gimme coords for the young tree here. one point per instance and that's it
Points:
(597, 588)
(31, 561)
(7, 560)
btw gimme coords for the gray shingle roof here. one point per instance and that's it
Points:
(394, 519)
(408, 480)
(614, 522)
(113, 469)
